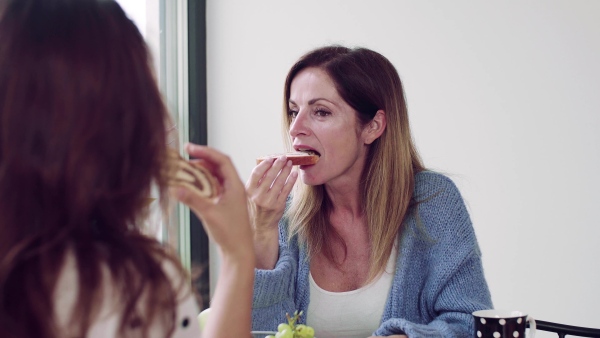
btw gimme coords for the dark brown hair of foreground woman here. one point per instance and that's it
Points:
(82, 135)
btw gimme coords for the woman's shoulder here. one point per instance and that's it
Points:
(107, 320)
(439, 203)
(430, 183)
(442, 214)
(66, 294)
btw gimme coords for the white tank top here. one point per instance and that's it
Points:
(351, 314)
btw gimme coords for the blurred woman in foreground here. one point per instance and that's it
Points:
(82, 141)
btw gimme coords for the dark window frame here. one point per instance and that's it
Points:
(198, 133)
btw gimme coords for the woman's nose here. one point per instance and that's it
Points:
(299, 125)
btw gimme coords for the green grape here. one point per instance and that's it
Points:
(293, 330)
(304, 331)
(286, 333)
(284, 326)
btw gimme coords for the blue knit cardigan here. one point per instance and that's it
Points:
(439, 279)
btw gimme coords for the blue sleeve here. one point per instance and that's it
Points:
(274, 289)
(452, 309)
(442, 280)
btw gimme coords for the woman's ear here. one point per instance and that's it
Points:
(375, 128)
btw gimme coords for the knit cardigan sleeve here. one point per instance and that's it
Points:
(439, 278)
(274, 290)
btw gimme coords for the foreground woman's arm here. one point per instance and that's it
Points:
(226, 221)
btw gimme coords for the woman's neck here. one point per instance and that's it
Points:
(345, 198)
(347, 215)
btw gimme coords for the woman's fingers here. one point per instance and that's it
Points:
(274, 174)
(266, 171)
(281, 176)
(219, 161)
(284, 187)
(186, 194)
(270, 177)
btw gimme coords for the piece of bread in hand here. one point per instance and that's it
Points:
(297, 157)
(192, 175)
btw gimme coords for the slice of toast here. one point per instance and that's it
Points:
(297, 158)
(192, 175)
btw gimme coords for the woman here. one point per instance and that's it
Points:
(83, 140)
(371, 243)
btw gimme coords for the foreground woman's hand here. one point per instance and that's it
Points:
(225, 217)
(268, 188)
(226, 221)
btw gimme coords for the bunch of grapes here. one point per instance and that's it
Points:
(291, 330)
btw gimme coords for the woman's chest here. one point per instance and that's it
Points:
(350, 274)
(354, 312)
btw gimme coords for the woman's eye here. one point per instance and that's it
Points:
(321, 112)
(292, 113)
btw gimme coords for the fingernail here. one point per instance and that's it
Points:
(289, 163)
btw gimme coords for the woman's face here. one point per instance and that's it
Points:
(323, 122)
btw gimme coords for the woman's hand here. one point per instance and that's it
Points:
(224, 217)
(268, 188)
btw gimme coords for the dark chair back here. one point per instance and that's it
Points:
(566, 330)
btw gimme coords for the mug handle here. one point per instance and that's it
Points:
(531, 327)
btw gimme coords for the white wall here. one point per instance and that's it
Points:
(145, 14)
(504, 97)
(136, 10)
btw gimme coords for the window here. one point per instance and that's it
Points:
(180, 65)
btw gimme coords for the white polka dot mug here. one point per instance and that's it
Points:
(505, 324)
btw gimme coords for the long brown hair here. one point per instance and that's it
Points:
(368, 82)
(82, 141)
